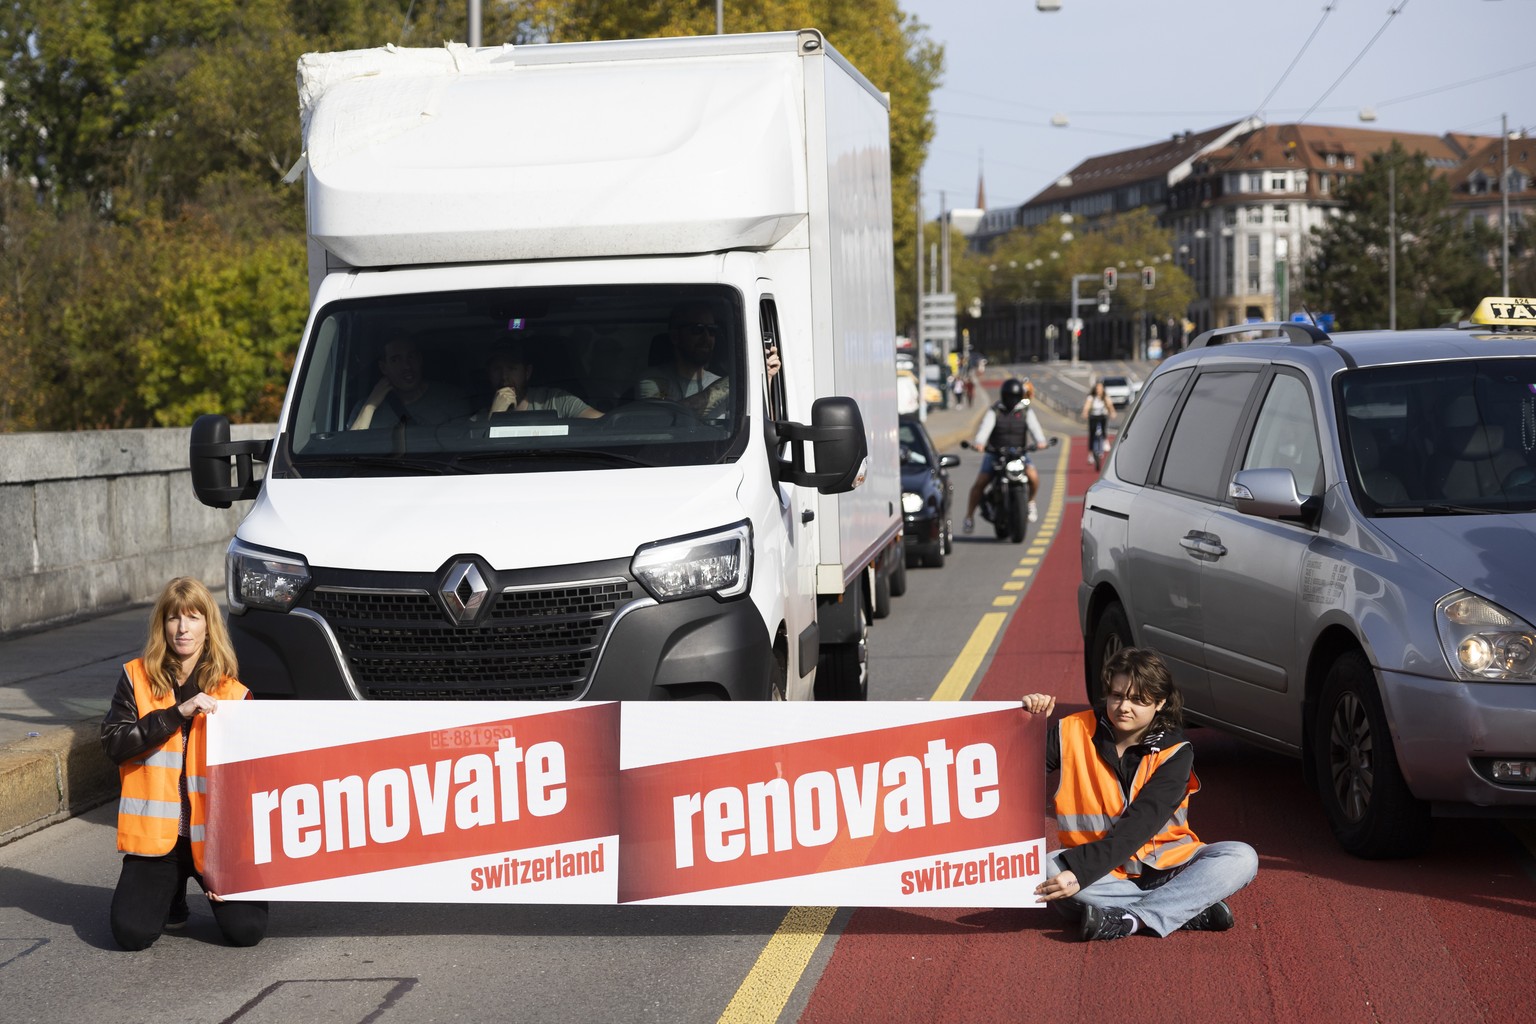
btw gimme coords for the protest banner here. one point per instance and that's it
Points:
(847, 804)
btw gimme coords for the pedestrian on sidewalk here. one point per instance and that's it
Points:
(156, 732)
(1128, 860)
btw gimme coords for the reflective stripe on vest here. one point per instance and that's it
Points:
(149, 810)
(1089, 800)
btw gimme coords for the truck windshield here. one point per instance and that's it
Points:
(1442, 438)
(520, 380)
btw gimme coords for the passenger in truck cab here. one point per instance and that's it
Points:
(511, 372)
(404, 395)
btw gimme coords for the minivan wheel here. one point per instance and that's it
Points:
(1369, 807)
(1111, 632)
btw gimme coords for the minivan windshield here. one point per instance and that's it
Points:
(518, 380)
(1442, 438)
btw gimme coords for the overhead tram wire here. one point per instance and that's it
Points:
(1327, 10)
(1392, 12)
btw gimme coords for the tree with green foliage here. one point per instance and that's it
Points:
(151, 259)
(1442, 267)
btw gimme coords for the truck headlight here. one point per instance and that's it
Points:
(911, 503)
(263, 579)
(718, 562)
(1483, 642)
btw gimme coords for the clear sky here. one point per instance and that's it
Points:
(1126, 73)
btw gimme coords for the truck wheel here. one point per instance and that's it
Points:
(842, 670)
(882, 594)
(1111, 632)
(899, 577)
(1369, 807)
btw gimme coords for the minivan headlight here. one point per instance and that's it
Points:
(1483, 642)
(911, 503)
(263, 579)
(718, 563)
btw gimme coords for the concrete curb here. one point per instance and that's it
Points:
(52, 776)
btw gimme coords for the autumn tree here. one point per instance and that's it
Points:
(143, 217)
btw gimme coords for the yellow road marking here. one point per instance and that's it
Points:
(1004, 601)
(1013, 586)
(772, 979)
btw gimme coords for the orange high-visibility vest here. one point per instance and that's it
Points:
(149, 809)
(1089, 800)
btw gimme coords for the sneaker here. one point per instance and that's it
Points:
(1034, 513)
(1215, 918)
(968, 525)
(179, 913)
(1099, 924)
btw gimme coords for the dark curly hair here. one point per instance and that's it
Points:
(1148, 679)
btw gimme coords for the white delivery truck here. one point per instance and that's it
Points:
(596, 397)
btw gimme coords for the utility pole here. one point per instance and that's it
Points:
(1392, 247)
(474, 23)
(1504, 200)
(920, 309)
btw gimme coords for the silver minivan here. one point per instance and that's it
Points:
(1331, 540)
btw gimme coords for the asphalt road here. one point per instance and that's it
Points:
(1320, 937)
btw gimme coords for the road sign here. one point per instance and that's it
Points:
(938, 313)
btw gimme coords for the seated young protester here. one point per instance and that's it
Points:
(510, 369)
(155, 730)
(404, 395)
(1128, 865)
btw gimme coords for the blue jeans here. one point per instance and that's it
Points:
(1216, 871)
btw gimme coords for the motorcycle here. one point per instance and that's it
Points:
(1005, 502)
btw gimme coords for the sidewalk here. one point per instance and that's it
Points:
(56, 684)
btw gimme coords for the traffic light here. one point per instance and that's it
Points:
(1148, 277)
(1109, 278)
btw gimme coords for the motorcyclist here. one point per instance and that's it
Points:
(1007, 424)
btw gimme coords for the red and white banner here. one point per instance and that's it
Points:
(847, 804)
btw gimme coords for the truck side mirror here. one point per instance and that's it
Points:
(211, 455)
(840, 447)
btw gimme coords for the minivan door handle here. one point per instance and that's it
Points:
(1204, 546)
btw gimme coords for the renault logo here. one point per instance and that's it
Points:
(463, 592)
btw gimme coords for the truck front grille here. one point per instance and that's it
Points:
(531, 644)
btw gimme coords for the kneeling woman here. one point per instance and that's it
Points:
(1129, 860)
(155, 733)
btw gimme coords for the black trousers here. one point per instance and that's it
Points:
(147, 887)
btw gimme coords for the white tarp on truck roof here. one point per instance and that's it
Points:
(455, 155)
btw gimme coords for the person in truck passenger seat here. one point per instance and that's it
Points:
(404, 395)
(511, 371)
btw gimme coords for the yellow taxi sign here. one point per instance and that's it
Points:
(1506, 311)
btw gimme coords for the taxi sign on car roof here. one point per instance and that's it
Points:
(1506, 311)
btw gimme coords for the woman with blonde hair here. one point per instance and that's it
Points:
(155, 733)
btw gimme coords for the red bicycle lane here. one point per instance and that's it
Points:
(1320, 935)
